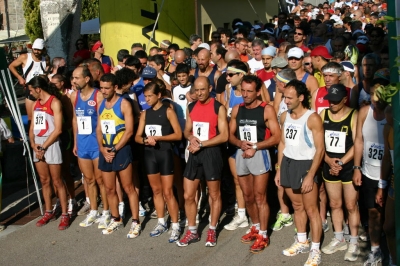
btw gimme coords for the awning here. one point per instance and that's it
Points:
(91, 26)
(22, 38)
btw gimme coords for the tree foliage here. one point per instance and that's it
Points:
(90, 9)
(33, 24)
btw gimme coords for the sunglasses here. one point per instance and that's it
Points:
(307, 64)
(231, 74)
(298, 33)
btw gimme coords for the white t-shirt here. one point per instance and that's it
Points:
(255, 65)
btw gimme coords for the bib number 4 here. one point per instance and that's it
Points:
(201, 130)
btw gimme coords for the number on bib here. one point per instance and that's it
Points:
(200, 130)
(374, 153)
(108, 126)
(153, 130)
(335, 141)
(39, 118)
(292, 134)
(84, 125)
(248, 133)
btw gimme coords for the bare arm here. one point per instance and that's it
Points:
(20, 61)
(354, 97)
(74, 123)
(232, 128)
(272, 124)
(139, 133)
(359, 144)
(313, 98)
(350, 153)
(265, 94)
(177, 135)
(277, 101)
(126, 110)
(222, 128)
(57, 111)
(312, 84)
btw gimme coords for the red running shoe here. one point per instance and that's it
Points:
(252, 235)
(188, 239)
(47, 217)
(260, 244)
(211, 238)
(64, 223)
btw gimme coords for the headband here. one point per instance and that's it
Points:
(237, 70)
(332, 70)
(282, 79)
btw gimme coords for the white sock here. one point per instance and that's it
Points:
(257, 226)
(88, 200)
(193, 229)
(285, 215)
(314, 246)
(263, 233)
(161, 221)
(175, 225)
(212, 227)
(302, 237)
(241, 212)
(121, 203)
(374, 248)
(93, 212)
(106, 212)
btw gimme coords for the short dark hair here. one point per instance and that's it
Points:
(124, 76)
(182, 68)
(141, 54)
(301, 89)
(221, 51)
(158, 59)
(133, 61)
(253, 79)
(136, 44)
(238, 64)
(121, 54)
(153, 86)
(174, 47)
(109, 78)
(227, 33)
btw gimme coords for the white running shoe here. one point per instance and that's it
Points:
(104, 221)
(236, 222)
(135, 230)
(113, 226)
(90, 219)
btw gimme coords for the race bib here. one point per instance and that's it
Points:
(374, 153)
(108, 126)
(292, 134)
(248, 133)
(200, 130)
(39, 120)
(153, 130)
(335, 141)
(84, 125)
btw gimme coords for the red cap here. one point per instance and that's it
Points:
(384, 5)
(96, 46)
(362, 48)
(321, 51)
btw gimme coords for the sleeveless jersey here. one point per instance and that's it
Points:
(86, 117)
(305, 77)
(282, 108)
(210, 77)
(43, 118)
(33, 68)
(250, 124)
(112, 122)
(205, 119)
(157, 124)
(363, 96)
(179, 94)
(233, 100)
(338, 134)
(321, 103)
(106, 63)
(271, 86)
(299, 141)
(372, 132)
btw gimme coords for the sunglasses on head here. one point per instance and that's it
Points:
(231, 74)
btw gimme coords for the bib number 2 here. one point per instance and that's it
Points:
(108, 127)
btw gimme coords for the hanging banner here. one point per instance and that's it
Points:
(287, 5)
(132, 21)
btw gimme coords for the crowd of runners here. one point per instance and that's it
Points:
(302, 100)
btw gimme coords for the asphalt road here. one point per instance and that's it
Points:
(29, 245)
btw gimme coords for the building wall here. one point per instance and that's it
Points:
(16, 15)
(218, 13)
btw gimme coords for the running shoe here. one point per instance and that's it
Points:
(211, 238)
(260, 244)
(85, 209)
(236, 222)
(64, 222)
(314, 258)
(135, 230)
(175, 234)
(104, 221)
(121, 210)
(113, 226)
(142, 211)
(352, 252)
(47, 217)
(72, 208)
(364, 236)
(296, 248)
(334, 246)
(282, 221)
(153, 215)
(325, 226)
(373, 258)
(89, 220)
(188, 239)
(252, 235)
(159, 229)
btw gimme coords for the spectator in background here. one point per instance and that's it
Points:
(106, 61)
(136, 47)
(82, 52)
(194, 41)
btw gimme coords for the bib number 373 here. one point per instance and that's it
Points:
(201, 130)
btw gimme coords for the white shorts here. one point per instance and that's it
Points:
(259, 164)
(53, 153)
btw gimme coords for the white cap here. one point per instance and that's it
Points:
(295, 52)
(205, 45)
(270, 50)
(38, 44)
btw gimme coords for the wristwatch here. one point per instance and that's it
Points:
(255, 147)
(357, 167)
(339, 162)
(200, 145)
(40, 148)
(113, 149)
